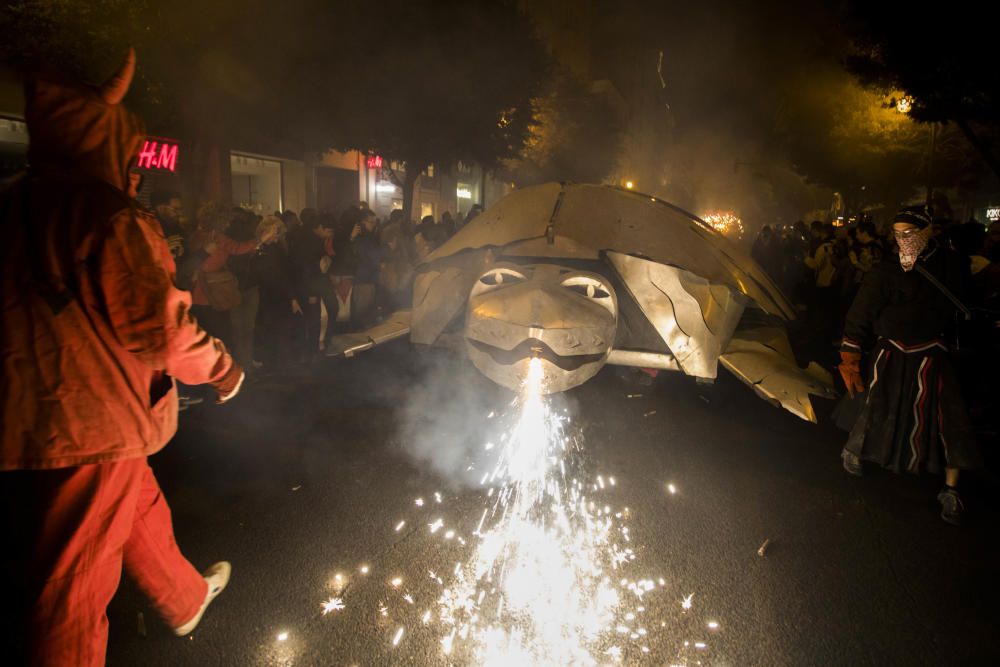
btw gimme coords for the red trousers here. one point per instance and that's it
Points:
(67, 533)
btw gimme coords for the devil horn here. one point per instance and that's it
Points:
(114, 89)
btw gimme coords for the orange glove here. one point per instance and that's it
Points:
(850, 370)
(229, 385)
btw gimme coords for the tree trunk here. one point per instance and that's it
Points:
(984, 150)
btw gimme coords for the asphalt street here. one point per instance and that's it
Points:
(308, 476)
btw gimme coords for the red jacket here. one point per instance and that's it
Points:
(224, 247)
(93, 329)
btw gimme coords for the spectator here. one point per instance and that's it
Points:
(867, 250)
(427, 240)
(368, 251)
(311, 248)
(448, 224)
(216, 289)
(765, 252)
(93, 395)
(243, 316)
(824, 308)
(472, 214)
(396, 269)
(796, 279)
(913, 418)
(168, 209)
(278, 302)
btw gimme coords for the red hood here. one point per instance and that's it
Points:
(73, 128)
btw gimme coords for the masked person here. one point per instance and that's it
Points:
(913, 418)
(92, 334)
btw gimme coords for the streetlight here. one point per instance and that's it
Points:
(904, 105)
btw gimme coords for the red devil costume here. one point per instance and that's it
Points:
(92, 334)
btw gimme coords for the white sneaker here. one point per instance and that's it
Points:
(217, 577)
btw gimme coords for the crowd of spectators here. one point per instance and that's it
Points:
(277, 288)
(820, 268)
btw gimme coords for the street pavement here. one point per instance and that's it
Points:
(307, 476)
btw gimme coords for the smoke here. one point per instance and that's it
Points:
(452, 413)
(449, 416)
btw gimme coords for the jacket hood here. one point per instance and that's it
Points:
(83, 129)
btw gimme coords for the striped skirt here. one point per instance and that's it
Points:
(914, 417)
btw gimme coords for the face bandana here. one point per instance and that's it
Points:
(911, 245)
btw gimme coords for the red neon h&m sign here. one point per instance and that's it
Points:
(374, 162)
(158, 155)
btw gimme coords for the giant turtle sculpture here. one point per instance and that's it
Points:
(582, 276)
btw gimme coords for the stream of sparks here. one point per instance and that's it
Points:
(542, 577)
(541, 586)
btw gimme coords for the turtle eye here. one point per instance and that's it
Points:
(500, 277)
(592, 288)
(589, 290)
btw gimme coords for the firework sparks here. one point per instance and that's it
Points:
(536, 590)
(544, 579)
(333, 604)
(725, 222)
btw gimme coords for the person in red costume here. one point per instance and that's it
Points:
(92, 335)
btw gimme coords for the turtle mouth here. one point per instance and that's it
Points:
(532, 347)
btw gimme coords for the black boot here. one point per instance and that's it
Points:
(951, 506)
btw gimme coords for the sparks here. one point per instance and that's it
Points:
(400, 525)
(727, 223)
(282, 636)
(333, 604)
(398, 637)
(686, 604)
(672, 489)
(397, 582)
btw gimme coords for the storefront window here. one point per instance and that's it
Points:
(256, 183)
(13, 147)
